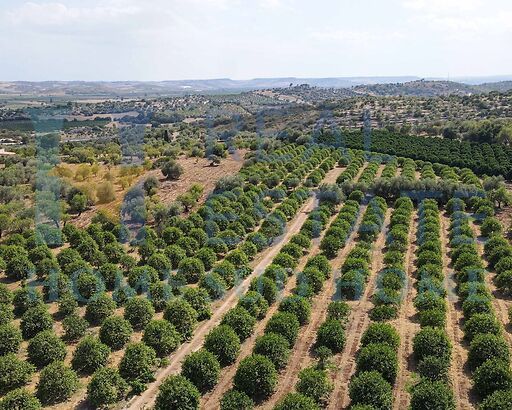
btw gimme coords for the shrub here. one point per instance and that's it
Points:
(434, 368)
(382, 333)
(487, 346)
(182, 316)
(202, 368)
(199, 300)
(136, 366)
(492, 375)
(26, 298)
(14, 372)
(99, 308)
(370, 388)
(338, 310)
(57, 383)
(432, 395)
(379, 357)
(115, 332)
(214, 284)
(298, 305)
(285, 324)
(240, 321)
(35, 320)
(332, 335)
(106, 388)
(266, 287)
(227, 271)
(141, 277)
(236, 400)
(192, 269)
(176, 392)
(481, 323)
(256, 376)
(296, 401)
(433, 318)
(254, 303)
(67, 304)
(10, 339)
(224, 343)
(74, 326)
(90, 355)
(431, 341)
(46, 347)
(111, 274)
(139, 311)
(275, 347)
(504, 281)
(19, 399)
(162, 337)
(499, 400)
(314, 383)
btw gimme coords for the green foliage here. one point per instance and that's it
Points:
(240, 321)
(331, 335)
(10, 339)
(115, 332)
(275, 347)
(382, 333)
(74, 326)
(370, 388)
(224, 343)
(285, 324)
(256, 376)
(45, 348)
(182, 316)
(137, 364)
(139, 311)
(90, 355)
(35, 320)
(297, 305)
(162, 337)
(99, 308)
(176, 392)
(500, 399)
(487, 346)
(254, 303)
(202, 368)
(106, 388)
(296, 401)
(19, 399)
(378, 357)
(57, 383)
(314, 383)
(492, 375)
(236, 400)
(14, 372)
(431, 341)
(429, 395)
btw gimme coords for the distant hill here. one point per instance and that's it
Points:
(418, 88)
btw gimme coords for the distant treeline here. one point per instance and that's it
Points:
(482, 158)
(50, 125)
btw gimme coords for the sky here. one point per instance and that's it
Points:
(243, 39)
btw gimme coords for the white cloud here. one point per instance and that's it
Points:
(443, 6)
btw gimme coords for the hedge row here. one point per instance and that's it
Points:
(408, 169)
(432, 348)
(392, 278)
(355, 269)
(391, 168)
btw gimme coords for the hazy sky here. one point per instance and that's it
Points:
(240, 39)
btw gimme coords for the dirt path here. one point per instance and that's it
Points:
(407, 324)
(459, 373)
(301, 356)
(500, 302)
(358, 321)
(147, 398)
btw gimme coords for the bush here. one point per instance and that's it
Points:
(182, 316)
(331, 335)
(275, 347)
(10, 339)
(14, 372)
(67, 304)
(202, 368)
(90, 355)
(20, 399)
(26, 298)
(481, 323)
(106, 388)
(266, 287)
(99, 308)
(46, 347)
(57, 383)
(382, 333)
(115, 332)
(378, 357)
(285, 324)
(499, 400)
(338, 310)
(214, 284)
(162, 337)
(199, 300)
(314, 383)
(492, 375)
(176, 392)
(35, 320)
(240, 321)
(431, 341)
(370, 388)
(297, 305)
(504, 281)
(434, 368)
(254, 303)
(429, 395)
(192, 269)
(137, 364)
(256, 376)
(224, 343)
(74, 327)
(296, 401)
(139, 311)
(487, 346)
(236, 400)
